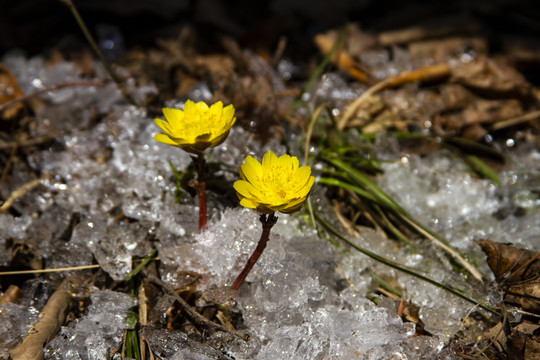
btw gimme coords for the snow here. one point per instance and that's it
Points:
(298, 301)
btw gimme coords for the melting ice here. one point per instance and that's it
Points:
(305, 298)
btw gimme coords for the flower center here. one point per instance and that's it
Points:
(277, 180)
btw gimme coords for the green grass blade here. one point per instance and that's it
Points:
(328, 227)
(482, 169)
(346, 186)
(370, 190)
(139, 267)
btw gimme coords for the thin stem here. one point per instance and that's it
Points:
(94, 46)
(200, 165)
(145, 262)
(326, 225)
(267, 223)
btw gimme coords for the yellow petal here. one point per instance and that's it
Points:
(249, 174)
(163, 125)
(295, 163)
(304, 191)
(302, 175)
(228, 115)
(253, 163)
(214, 114)
(247, 190)
(245, 202)
(293, 207)
(190, 109)
(268, 160)
(165, 139)
(284, 161)
(173, 116)
(219, 139)
(201, 104)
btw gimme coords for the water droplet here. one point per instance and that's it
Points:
(37, 83)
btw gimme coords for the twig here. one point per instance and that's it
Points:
(43, 271)
(431, 72)
(50, 320)
(18, 193)
(201, 320)
(54, 87)
(94, 46)
(516, 120)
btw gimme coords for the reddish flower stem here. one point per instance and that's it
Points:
(267, 223)
(201, 188)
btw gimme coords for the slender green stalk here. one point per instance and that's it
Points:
(94, 46)
(130, 347)
(482, 169)
(141, 266)
(369, 190)
(326, 225)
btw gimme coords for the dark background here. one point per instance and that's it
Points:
(36, 26)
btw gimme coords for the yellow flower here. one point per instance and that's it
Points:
(276, 184)
(197, 127)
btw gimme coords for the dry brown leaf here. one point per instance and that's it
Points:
(491, 76)
(9, 90)
(510, 264)
(10, 295)
(517, 271)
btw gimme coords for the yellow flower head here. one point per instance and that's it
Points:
(197, 127)
(278, 184)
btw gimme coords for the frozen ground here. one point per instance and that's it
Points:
(304, 299)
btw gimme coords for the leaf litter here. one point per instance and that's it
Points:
(471, 93)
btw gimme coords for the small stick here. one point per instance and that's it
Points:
(201, 320)
(267, 223)
(430, 72)
(51, 318)
(516, 120)
(18, 193)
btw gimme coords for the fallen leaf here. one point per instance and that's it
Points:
(9, 90)
(517, 271)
